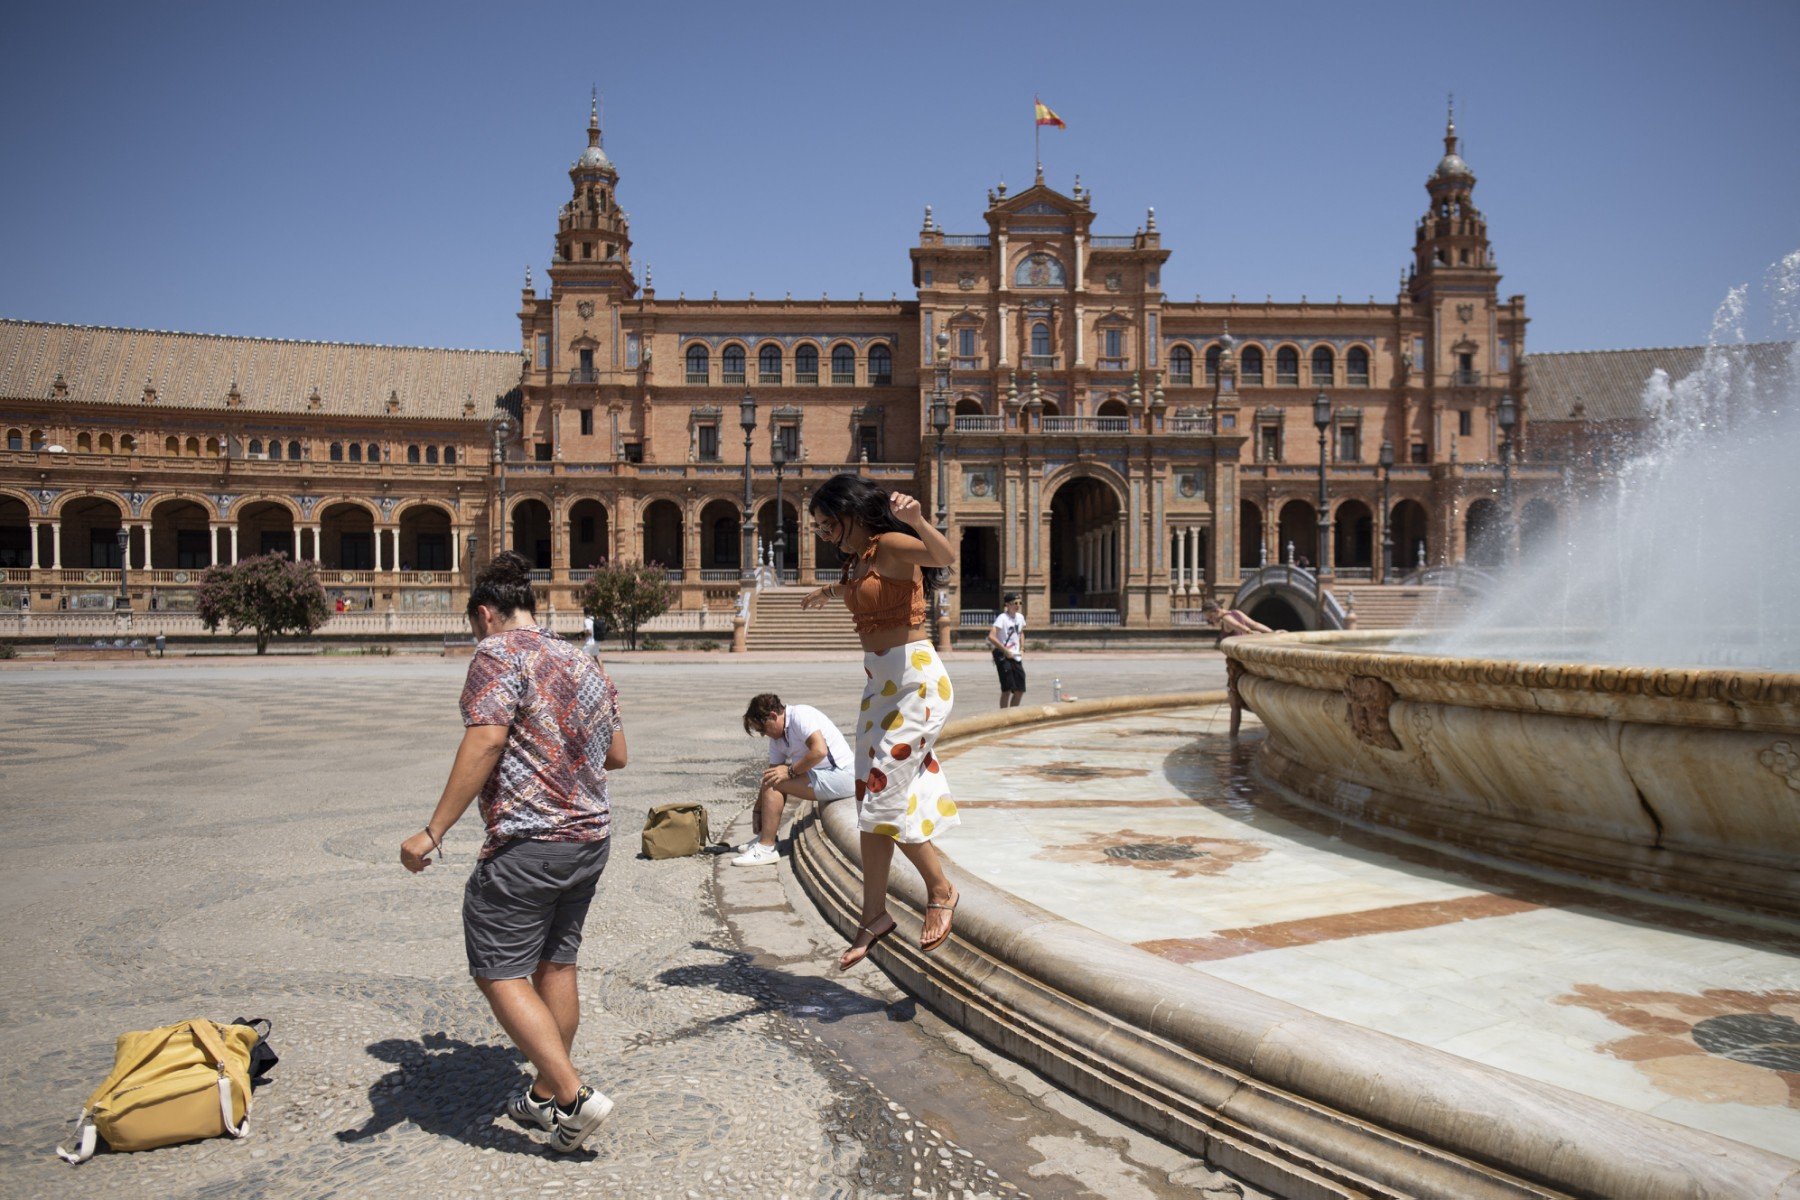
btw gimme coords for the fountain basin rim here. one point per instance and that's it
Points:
(1710, 697)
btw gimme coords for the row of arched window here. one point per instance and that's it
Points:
(273, 450)
(733, 363)
(1251, 369)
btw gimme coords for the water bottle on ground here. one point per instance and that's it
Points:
(1056, 689)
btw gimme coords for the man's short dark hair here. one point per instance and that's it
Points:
(1010, 598)
(761, 709)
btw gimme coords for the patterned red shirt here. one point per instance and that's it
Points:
(562, 711)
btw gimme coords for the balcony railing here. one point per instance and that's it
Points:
(1178, 379)
(698, 377)
(1356, 380)
(975, 618)
(964, 363)
(1110, 241)
(980, 424)
(768, 377)
(732, 377)
(1087, 424)
(1466, 378)
(1192, 424)
(843, 377)
(1088, 617)
(584, 375)
(1040, 362)
(806, 377)
(719, 574)
(1112, 364)
(969, 241)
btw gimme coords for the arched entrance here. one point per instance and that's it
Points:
(721, 537)
(347, 538)
(1297, 533)
(425, 533)
(1250, 535)
(1537, 526)
(265, 527)
(662, 534)
(1412, 550)
(90, 534)
(589, 534)
(15, 533)
(531, 532)
(1486, 535)
(181, 536)
(1353, 537)
(1084, 545)
(978, 569)
(1277, 613)
(790, 532)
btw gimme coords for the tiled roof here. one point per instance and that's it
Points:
(1609, 384)
(196, 370)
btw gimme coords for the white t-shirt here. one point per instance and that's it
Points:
(1010, 631)
(803, 720)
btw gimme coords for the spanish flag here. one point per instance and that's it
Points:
(1045, 116)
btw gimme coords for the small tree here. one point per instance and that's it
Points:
(625, 595)
(268, 593)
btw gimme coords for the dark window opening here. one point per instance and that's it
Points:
(541, 452)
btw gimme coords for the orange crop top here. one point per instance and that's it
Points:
(877, 603)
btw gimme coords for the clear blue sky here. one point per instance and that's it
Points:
(384, 172)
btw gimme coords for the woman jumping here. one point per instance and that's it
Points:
(892, 556)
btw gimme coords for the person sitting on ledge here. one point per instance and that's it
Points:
(808, 759)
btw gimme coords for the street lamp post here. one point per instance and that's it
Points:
(474, 541)
(125, 566)
(1509, 417)
(940, 423)
(747, 560)
(778, 456)
(502, 427)
(1387, 513)
(1322, 421)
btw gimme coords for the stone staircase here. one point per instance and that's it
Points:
(1391, 606)
(780, 625)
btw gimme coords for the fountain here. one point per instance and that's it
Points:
(1626, 706)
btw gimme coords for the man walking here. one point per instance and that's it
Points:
(808, 760)
(542, 729)
(1007, 640)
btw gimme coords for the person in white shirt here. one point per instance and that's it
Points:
(589, 646)
(808, 760)
(1007, 640)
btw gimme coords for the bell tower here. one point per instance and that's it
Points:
(1451, 238)
(593, 235)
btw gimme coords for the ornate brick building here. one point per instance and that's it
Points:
(1110, 452)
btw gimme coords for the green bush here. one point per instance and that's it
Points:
(8, 650)
(651, 643)
(624, 595)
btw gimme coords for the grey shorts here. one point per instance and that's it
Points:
(831, 783)
(526, 903)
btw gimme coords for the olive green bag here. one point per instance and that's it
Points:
(675, 830)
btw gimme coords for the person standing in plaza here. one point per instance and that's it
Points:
(892, 556)
(1007, 640)
(1233, 623)
(542, 729)
(808, 760)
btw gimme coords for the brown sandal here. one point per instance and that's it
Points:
(873, 938)
(934, 943)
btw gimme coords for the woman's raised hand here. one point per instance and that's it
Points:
(906, 509)
(817, 598)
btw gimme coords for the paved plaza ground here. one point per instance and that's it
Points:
(220, 839)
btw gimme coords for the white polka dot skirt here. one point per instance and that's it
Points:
(901, 791)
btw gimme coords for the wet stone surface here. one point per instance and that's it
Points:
(222, 842)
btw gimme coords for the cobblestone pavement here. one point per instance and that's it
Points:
(221, 841)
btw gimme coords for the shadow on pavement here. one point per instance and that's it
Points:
(449, 1087)
(776, 991)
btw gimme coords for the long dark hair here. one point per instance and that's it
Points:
(845, 498)
(504, 585)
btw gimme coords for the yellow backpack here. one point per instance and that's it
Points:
(168, 1085)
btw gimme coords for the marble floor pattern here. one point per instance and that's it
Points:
(1151, 829)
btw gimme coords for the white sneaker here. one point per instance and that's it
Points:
(758, 855)
(526, 1109)
(569, 1130)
